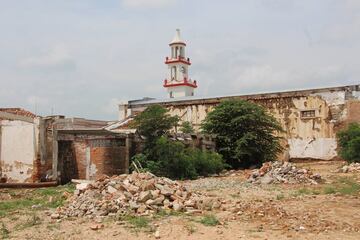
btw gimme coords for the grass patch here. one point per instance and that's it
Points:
(136, 221)
(235, 195)
(4, 231)
(51, 197)
(53, 227)
(329, 190)
(209, 220)
(306, 191)
(190, 228)
(343, 186)
(33, 220)
(280, 196)
(167, 213)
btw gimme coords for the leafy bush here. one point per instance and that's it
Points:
(349, 141)
(172, 159)
(205, 162)
(244, 133)
(154, 122)
(186, 127)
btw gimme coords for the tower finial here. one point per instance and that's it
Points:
(177, 37)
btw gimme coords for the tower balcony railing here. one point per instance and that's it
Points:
(184, 82)
(178, 59)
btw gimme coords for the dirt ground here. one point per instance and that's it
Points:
(330, 210)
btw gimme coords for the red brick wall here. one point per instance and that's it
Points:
(108, 160)
(80, 158)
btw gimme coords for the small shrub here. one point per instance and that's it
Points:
(349, 141)
(205, 162)
(172, 159)
(190, 228)
(209, 220)
(186, 127)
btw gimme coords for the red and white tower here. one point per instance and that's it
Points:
(178, 83)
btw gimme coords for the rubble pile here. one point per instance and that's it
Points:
(136, 193)
(282, 172)
(352, 167)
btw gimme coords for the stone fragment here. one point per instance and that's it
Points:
(96, 226)
(82, 186)
(111, 189)
(55, 216)
(167, 191)
(177, 206)
(144, 196)
(157, 234)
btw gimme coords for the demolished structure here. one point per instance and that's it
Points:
(39, 149)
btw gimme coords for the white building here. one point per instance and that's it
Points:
(178, 83)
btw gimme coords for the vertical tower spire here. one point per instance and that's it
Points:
(178, 83)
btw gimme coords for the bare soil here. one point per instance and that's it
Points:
(330, 210)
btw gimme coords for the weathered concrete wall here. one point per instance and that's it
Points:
(18, 150)
(310, 118)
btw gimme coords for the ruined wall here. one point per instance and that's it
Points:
(309, 136)
(90, 157)
(19, 141)
(310, 118)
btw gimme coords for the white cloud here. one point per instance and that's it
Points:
(56, 58)
(148, 3)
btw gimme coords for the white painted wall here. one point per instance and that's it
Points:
(18, 142)
(181, 91)
(317, 148)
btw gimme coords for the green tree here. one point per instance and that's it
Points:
(245, 133)
(154, 122)
(187, 128)
(349, 141)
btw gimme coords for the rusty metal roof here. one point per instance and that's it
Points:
(19, 111)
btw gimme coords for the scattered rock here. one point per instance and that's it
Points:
(96, 226)
(82, 186)
(282, 172)
(55, 216)
(157, 234)
(111, 189)
(352, 167)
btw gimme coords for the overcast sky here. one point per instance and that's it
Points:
(79, 58)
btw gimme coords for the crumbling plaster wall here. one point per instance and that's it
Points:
(19, 144)
(307, 137)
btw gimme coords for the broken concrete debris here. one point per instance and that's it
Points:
(136, 193)
(282, 172)
(352, 167)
